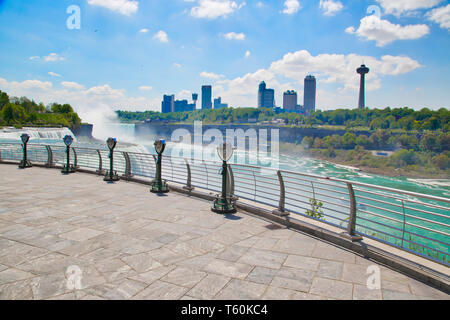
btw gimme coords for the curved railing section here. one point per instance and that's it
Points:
(414, 222)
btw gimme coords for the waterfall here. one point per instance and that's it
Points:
(37, 135)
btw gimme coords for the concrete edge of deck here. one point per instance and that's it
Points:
(400, 264)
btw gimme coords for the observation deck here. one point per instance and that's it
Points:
(127, 243)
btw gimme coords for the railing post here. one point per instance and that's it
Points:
(350, 234)
(128, 173)
(230, 183)
(49, 163)
(188, 185)
(281, 211)
(100, 170)
(75, 159)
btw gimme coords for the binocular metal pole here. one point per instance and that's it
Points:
(24, 163)
(111, 176)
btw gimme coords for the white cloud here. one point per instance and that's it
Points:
(53, 74)
(247, 53)
(291, 6)
(335, 70)
(72, 85)
(213, 9)
(177, 65)
(35, 58)
(234, 36)
(52, 57)
(161, 36)
(145, 30)
(385, 32)
(211, 75)
(16, 88)
(398, 7)
(125, 7)
(330, 7)
(184, 95)
(440, 16)
(145, 88)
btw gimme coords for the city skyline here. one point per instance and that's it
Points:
(127, 56)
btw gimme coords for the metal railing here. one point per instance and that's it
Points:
(417, 223)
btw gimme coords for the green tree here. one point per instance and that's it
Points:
(442, 161)
(13, 113)
(58, 108)
(4, 99)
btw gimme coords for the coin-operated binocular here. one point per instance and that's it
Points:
(159, 185)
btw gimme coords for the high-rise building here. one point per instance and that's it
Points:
(183, 105)
(309, 103)
(206, 97)
(290, 100)
(168, 104)
(363, 70)
(195, 98)
(266, 97)
(218, 103)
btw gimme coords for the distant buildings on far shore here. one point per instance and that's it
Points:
(169, 104)
(290, 98)
(266, 99)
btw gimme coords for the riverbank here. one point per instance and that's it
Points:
(361, 160)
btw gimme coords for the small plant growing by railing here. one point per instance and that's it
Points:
(316, 209)
(408, 244)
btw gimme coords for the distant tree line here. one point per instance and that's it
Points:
(400, 118)
(23, 111)
(428, 152)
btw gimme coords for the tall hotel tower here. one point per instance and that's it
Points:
(266, 97)
(206, 97)
(309, 99)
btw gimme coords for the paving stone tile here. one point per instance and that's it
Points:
(308, 296)
(184, 277)
(275, 293)
(142, 262)
(13, 275)
(355, 273)
(81, 234)
(327, 251)
(48, 286)
(300, 262)
(263, 258)
(332, 289)
(395, 286)
(228, 269)
(262, 275)
(361, 292)
(295, 279)
(160, 290)
(125, 290)
(19, 290)
(395, 295)
(151, 276)
(241, 290)
(330, 269)
(298, 247)
(207, 288)
(420, 289)
(233, 253)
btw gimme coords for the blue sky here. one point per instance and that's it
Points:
(128, 53)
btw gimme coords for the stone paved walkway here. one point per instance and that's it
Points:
(130, 244)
